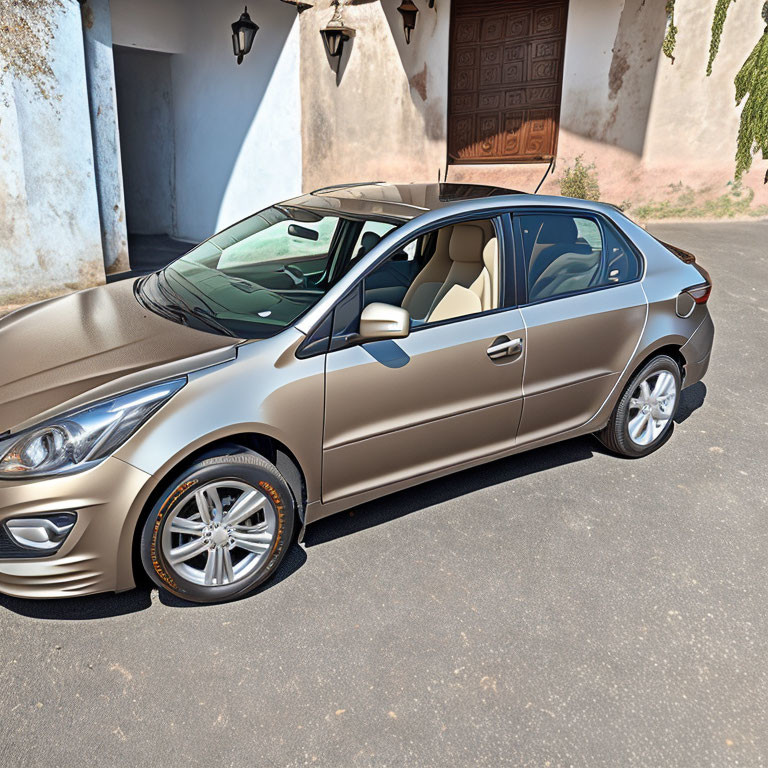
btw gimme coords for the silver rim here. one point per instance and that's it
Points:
(219, 535)
(651, 408)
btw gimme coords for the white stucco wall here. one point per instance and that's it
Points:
(698, 125)
(237, 129)
(49, 222)
(155, 25)
(383, 115)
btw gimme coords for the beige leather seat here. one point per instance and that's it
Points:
(421, 295)
(472, 283)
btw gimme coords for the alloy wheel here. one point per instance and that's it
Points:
(221, 534)
(651, 408)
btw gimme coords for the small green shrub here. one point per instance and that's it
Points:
(580, 181)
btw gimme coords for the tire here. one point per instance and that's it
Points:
(620, 435)
(222, 559)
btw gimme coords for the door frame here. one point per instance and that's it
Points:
(316, 342)
(521, 269)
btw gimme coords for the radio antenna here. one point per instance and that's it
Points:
(550, 168)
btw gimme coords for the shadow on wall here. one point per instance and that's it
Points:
(229, 122)
(424, 62)
(620, 115)
(225, 157)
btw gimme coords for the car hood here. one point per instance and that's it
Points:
(100, 339)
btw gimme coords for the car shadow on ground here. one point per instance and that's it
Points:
(347, 523)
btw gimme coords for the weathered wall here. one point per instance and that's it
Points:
(49, 223)
(100, 75)
(236, 128)
(694, 120)
(383, 115)
(645, 123)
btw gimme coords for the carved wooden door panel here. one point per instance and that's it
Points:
(506, 76)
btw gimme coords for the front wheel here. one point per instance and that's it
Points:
(643, 419)
(219, 530)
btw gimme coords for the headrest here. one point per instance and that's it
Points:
(368, 242)
(443, 241)
(491, 255)
(466, 243)
(558, 229)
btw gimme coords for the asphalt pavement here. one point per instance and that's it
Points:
(560, 608)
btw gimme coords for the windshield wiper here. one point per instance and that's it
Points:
(161, 309)
(177, 304)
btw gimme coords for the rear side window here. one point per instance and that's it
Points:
(566, 254)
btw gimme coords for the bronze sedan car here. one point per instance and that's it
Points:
(328, 350)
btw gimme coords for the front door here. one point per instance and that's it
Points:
(449, 393)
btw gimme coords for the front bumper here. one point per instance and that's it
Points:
(96, 555)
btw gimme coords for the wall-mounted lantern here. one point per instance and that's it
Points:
(336, 33)
(431, 3)
(243, 32)
(408, 11)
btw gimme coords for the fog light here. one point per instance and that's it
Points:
(44, 534)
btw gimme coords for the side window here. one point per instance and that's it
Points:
(622, 264)
(369, 237)
(566, 254)
(449, 273)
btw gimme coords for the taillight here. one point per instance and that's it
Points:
(690, 297)
(700, 293)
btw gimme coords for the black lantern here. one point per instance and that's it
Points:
(408, 11)
(243, 32)
(336, 33)
(431, 3)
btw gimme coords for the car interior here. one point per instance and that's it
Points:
(450, 273)
(564, 255)
(561, 258)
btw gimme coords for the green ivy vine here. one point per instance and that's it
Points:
(752, 84)
(670, 39)
(721, 11)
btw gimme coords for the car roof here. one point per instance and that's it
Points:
(407, 201)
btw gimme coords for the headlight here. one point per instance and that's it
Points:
(79, 439)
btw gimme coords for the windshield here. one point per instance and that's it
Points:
(260, 275)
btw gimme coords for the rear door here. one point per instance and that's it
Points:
(584, 311)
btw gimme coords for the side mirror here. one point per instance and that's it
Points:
(384, 321)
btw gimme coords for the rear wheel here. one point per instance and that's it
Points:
(643, 419)
(220, 529)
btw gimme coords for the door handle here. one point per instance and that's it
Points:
(505, 347)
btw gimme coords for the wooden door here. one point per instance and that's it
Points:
(506, 76)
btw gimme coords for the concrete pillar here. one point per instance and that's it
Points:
(49, 220)
(100, 74)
